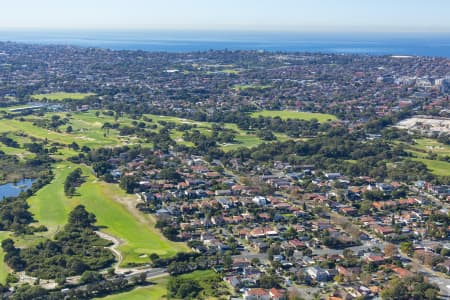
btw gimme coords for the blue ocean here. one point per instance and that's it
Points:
(418, 44)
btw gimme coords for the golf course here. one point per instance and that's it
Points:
(431, 153)
(115, 211)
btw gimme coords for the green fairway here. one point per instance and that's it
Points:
(430, 145)
(230, 71)
(19, 152)
(49, 205)
(115, 212)
(4, 270)
(153, 292)
(440, 168)
(243, 138)
(90, 135)
(290, 114)
(159, 290)
(251, 86)
(62, 96)
(421, 151)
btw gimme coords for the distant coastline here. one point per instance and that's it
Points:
(397, 44)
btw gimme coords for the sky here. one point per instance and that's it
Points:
(289, 15)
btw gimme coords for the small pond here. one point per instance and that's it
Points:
(14, 189)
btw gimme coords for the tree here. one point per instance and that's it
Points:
(365, 207)
(255, 261)
(80, 217)
(154, 257)
(73, 180)
(128, 183)
(90, 277)
(106, 127)
(373, 195)
(11, 278)
(266, 135)
(183, 288)
(267, 281)
(74, 146)
(407, 248)
(27, 291)
(227, 261)
(8, 246)
(170, 233)
(169, 174)
(77, 265)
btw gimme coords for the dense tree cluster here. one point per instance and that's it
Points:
(190, 287)
(74, 250)
(413, 287)
(88, 290)
(73, 180)
(7, 141)
(340, 152)
(180, 288)
(53, 123)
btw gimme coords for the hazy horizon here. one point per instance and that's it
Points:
(232, 15)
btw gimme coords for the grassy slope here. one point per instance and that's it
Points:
(51, 208)
(62, 96)
(87, 131)
(158, 291)
(60, 137)
(440, 168)
(4, 270)
(421, 149)
(91, 137)
(243, 138)
(433, 146)
(289, 114)
(153, 292)
(19, 152)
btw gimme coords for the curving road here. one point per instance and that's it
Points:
(129, 272)
(116, 243)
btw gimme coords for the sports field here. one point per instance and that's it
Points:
(298, 115)
(62, 96)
